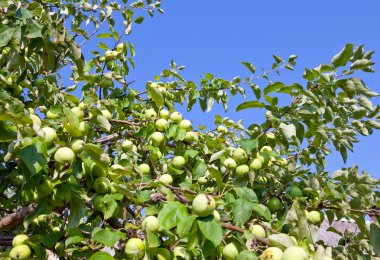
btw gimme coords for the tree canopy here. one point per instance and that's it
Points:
(98, 170)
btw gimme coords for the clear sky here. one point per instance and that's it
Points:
(214, 36)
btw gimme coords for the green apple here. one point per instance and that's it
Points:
(49, 134)
(19, 240)
(110, 55)
(36, 120)
(181, 253)
(51, 115)
(266, 149)
(258, 231)
(29, 195)
(186, 124)
(315, 217)
(20, 252)
(16, 179)
(230, 163)
(176, 117)
(295, 192)
(256, 164)
(150, 113)
(202, 180)
(127, 145)
(163, 254)
(102, 185)
(203, 205)
(120, 47)
(154, 85)
(97, 170)
(157, 138)
(78, 146)
(45, 188)
(216, 214)
(189, 137)
(84, 127)
(272, 253)
(239, 155)
(261, 158)
(294, 253)
(274, 204)
(144, 168)
(210, 189)
(164, 114)
(106, 114)
(135, 248)
(161, 124)
(78, 112)
(221, 129)
(242, 170)
(150, 223)
(230, 252)
(270, 135)
(166, 179)
(178, 162)
(64, 155)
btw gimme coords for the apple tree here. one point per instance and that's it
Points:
(96, 166)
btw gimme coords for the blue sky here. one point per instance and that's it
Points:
(214, 36)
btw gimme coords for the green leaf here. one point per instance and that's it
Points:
(199, 169)
(281, 241)
(6, 134)
(246, 194)
(241, 211)
(77, 210)
(103, 122)
(152, 239)
(34, 156)
(104, 35)
(361, 64)
(250, 104)
(273, 87)
(156, 96)
(184, 226)
(249, 66)
(101, 256)
(248, 145)
(139, 20)
(341, 58)
(374, 236)
(107, 237)
(6, 35)
(95, 153)
(288, 130)
(211, 229)
(34, 30)
(23, 14)
(171, 214)
(247, 255)
(217, 155)
(262, 211)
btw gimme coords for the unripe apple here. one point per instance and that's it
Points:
(163, 254)
(272, 253)
(242, 170)
(164, 114)
(45, 188)
(258, 231)
(230, 252)
(120, 47)
(64, 155)
(270, 135)
(180, 252)
(203, 205)
(150, 113)
(216, 214)
(178, 162)
(230, 163)
(84, 127)
(176, 117)
(314, 217)
(202, 180)
(189, 137)
(294, 253)
(150, 223)
(110, 55)
(135, 248)
(78, 146)
(78, 112)
(157, 138)
(256, 164)
(127, 145)
(154, 85)
(161, 124)
(36, 120)
(102, 185)
(106, 114)
(162, 89)
(274, 204)
(261, 158)
(51, 115)
(16, 179)
(144, 168)
(266, 148)
(166, 179)
(239, 155)
(114, 172)
(19, 240)
(97, 170)
(221, 129)
(295, 192)
(185, 124)
(20, 252)
(29, 195)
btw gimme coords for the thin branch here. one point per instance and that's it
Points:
(125, 122)
(13, 220)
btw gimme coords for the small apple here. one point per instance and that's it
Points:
(161, 124)
(106, 114)
(230, 252)
(256, 164)
(272, 253)
(150, 113)
(84, 127)
(97, 170)
(16, 179)
(78, 112)
(274, 204)
(127, 145)
(186, 124)
(266, 148)
(180, 253)
(163, 254)
(115, 173)
(216, 214)
(51, 114)
(295, 192)
(210, 189)
(157, 138)
(29, 195)
(270, 135)
(45, 188)
(202, 180)
(20, 252)
(102, 185)
(166, 179)
(203, 205)
(283, 161)
(64, 155)
(120, 47)
(178, 162)
(150, 223)
(144, 168)
(154, 85)
(261, 158)
(294, 253)
(189, 137)
(242, 170)
(78, 146)
(258, 231)
(239, 155)
(314, 217)
(19, 240)
(36, 120)
(135, 248)
(164, 114)
(176, 117)
(221, 129)
(230, 163)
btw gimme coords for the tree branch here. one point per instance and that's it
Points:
(13, 220)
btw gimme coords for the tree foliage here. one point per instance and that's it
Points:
(84, 165)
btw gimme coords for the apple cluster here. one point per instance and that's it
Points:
(20, 249)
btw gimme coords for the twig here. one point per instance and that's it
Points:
(15, 219)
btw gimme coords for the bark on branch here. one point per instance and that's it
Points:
(13, 220)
